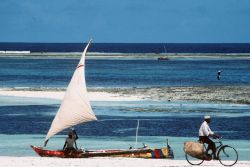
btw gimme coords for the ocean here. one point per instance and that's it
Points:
(30, 72)
(25, 121)
(129, 47)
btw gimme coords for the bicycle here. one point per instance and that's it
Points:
(227, 155)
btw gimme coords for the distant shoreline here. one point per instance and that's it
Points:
(128, 55)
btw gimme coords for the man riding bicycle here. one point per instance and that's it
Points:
(205, 132)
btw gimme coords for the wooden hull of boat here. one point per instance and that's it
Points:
(129, 153)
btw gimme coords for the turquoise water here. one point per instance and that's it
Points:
(19, 145)
(117, 123)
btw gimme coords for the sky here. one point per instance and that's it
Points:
(125, 21)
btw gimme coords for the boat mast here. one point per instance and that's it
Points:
(136, 135)
(165, 50)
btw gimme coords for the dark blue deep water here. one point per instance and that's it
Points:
(36, 119)
(130, 47)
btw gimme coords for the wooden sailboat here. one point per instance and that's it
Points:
(76, 109)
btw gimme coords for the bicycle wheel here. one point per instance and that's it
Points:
(193, 160)
(227, 155)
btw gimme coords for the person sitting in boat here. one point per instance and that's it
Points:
(71, 141)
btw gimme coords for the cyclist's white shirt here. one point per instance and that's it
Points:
(205, 130)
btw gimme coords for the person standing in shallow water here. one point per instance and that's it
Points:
(205, 132)
(218, 75)
(70, 142)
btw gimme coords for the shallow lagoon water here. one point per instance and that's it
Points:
(25, 121)
(19, 145)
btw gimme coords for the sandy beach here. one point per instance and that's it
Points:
(103, 162)
(58, 95)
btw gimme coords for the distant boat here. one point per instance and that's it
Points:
(163, 58)
(76, 109)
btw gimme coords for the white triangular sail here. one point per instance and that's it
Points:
(75, 107)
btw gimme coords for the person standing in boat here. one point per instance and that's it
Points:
(70, 142)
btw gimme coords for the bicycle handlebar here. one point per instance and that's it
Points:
(219, 140)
